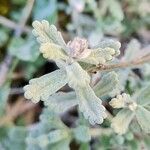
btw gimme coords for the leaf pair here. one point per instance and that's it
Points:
(122, 120)
(53, 47)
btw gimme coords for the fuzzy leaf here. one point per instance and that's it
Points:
(41, 88)
(115, 9)
(90, 105)
(107, 84)
(57, 139)
(52, 51)
(82, 133)
(24, 49)
(60, 102)
(132, 50)
(111, 44)
(122, 120)
(88, 102)
(99, 56)
(143, 118)
(143, 96)
(48, 33)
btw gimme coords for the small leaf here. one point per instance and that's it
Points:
(24, 49)
(90, 105)
(52, 51)
(143, 118)
(88, 102)
(60, 102)
(132, 50)
(41, 88)
(143, 96)
(115, 9)
(99, 56)
(122, 120)
(107, 84)
(111, 44)
(82, 133)
(48, 33)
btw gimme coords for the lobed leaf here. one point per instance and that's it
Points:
(143, 118)
(107, 84)
(121, 121)
(90, 105)
(132, 50)
(41, 88)
(61, 102)
(88, 102)
(48, 33)
(111, 44)
(99, 56)
(143, 96)
(52, 51)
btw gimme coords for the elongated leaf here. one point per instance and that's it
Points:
(107, 84)
(60, 102)
(121, 121)
(41, 88)
(48, 33)
(143, 96)
(143, 118)
(24, 49)
(52, 51)
(111, 44)
(115, 9)
(90, 105)
(88, 102)
(132, 50)
(100, 56)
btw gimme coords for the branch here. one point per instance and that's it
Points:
(13, 25)
(131, 64)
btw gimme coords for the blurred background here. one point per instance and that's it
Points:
(20, 59)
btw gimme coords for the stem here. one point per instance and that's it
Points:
(13, 25)
(133, 63)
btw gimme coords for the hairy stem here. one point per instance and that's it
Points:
(130, 64)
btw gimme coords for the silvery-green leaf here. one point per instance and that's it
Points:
(60, 102)
(143, 118)
(90, 105)
(54, 140)
(88, 102)
(24, 49)
(121, 121)
(115, 9)
(100, 56)
(52, 51)
(110, 43)
(143, 96)
(132, 50)
(76, 76)
(52, 137)
(48, 33)
(41, 88)
(120, 101)
(82, 133)
(45, 6)
(107, 84)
